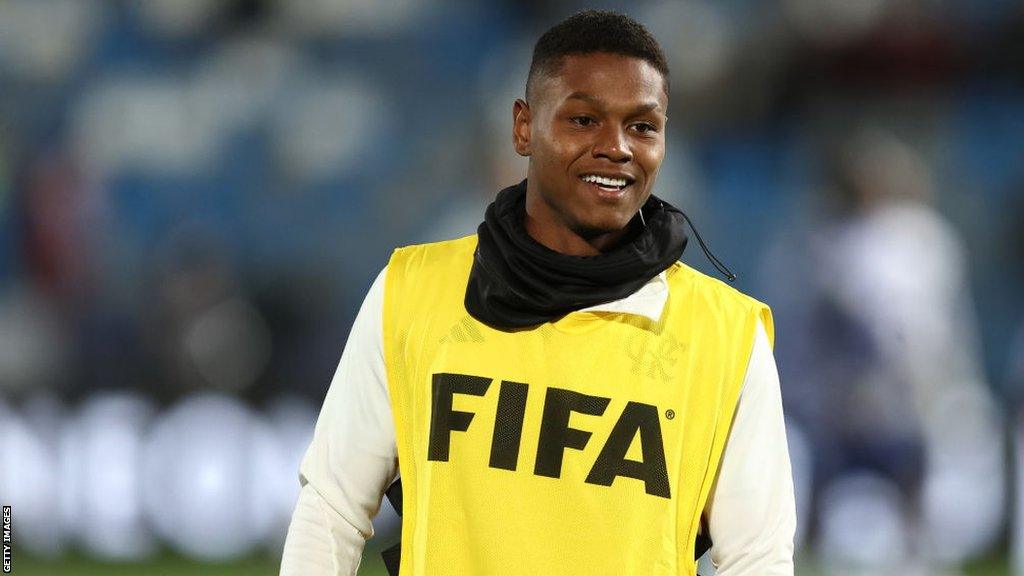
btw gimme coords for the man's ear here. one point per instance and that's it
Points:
(521, 127)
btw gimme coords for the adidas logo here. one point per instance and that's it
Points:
(465, 331)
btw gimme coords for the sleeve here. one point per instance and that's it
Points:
(751, 512)
(351, 460)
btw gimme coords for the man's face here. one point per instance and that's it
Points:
(595, 134)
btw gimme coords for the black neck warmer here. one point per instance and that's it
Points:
(517, 282)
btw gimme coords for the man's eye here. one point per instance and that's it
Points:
(582, 120)
(644, 127)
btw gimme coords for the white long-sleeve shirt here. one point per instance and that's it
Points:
(750, 514)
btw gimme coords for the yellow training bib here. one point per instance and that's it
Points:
(586, 445)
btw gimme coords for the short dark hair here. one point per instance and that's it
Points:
(594, 31)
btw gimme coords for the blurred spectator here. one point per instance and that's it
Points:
(46, 40)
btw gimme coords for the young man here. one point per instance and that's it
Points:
(559, 394)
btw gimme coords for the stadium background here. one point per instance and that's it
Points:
(196, 194)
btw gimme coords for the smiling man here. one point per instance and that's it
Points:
(595, 137)
(557, 392)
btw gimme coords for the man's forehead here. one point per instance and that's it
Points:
(598, 101)
(600, 78)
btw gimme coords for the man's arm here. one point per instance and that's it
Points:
(751, 512)
(352, 457)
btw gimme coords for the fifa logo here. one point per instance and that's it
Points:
(555, 435)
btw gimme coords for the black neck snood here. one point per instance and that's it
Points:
(517, 282)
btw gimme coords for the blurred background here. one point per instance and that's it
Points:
(196, 194)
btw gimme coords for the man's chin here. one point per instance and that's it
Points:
(600, 227)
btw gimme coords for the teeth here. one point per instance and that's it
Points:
(594, 179)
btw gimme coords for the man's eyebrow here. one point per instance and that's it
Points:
(599, 103)
(586, 98)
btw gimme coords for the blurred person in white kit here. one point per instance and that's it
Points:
(915, 407)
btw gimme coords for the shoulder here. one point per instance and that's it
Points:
(684, 277)
(434, 253)
(718, 298)
(422, 269)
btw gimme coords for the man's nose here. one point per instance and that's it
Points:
(612, 144)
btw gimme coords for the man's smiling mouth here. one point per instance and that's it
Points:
(607, 183)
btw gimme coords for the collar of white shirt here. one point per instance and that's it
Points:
(648, 301)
